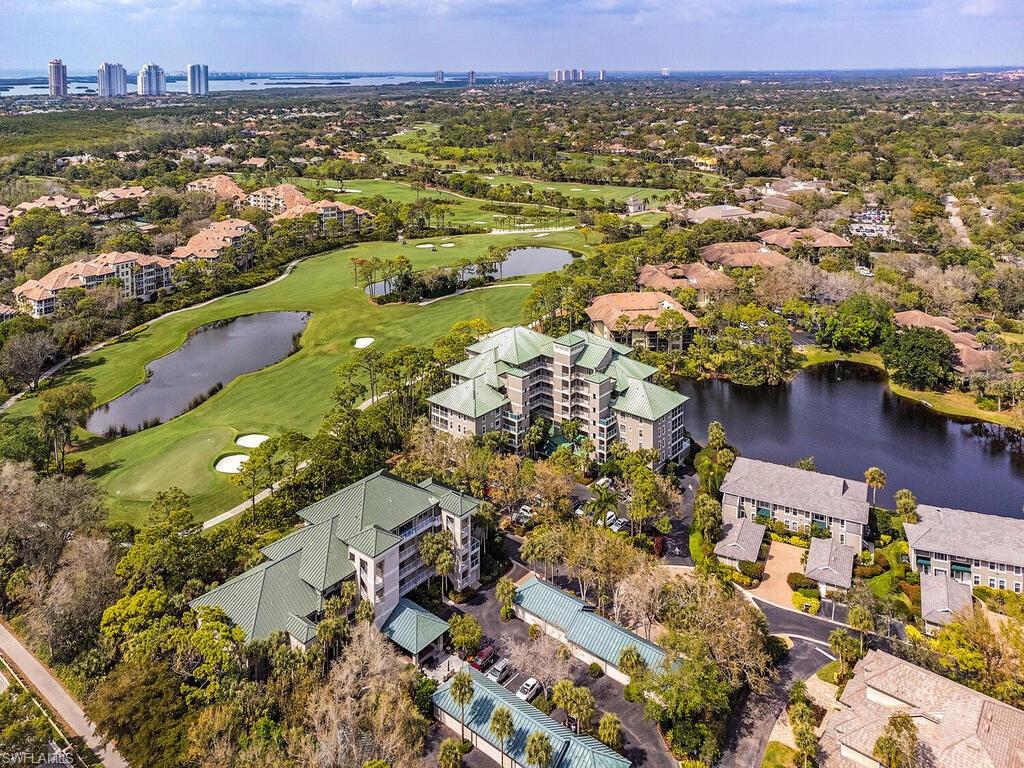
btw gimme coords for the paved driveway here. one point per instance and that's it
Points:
(643, 744)
(783, 559)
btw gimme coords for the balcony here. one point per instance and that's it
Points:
(420, 527)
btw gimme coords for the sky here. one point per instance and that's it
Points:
(511, 35)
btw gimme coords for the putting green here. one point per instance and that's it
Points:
(293, 394)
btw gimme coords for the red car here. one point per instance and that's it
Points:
(484, 659)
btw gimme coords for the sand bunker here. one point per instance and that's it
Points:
(363, 342)
(251, 441)
(231, 465)
(447, 245)
(425, 245)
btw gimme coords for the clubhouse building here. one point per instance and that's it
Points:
(516, 374)
(367, 533)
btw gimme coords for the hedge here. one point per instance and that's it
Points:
(741, 579)
(752, 570)
(798, 581)
(806, 604)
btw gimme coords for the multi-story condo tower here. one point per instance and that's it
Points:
(58, 78)
(111, 80)
(367, 533)
(198, 80)
(471, 78)
(600, 75)
(439, 76)
(514, 375)
(152, 81)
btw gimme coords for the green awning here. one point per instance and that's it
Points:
(924, 560)
(960, 567)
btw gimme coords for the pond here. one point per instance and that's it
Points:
(528, 260)
(211, 357)
(845, 416)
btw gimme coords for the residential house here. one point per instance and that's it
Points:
(635, 205)
(969, 547)
(973, 356)
(7, 312)
(208, 244)
(798, 498)
(632, 318)
(61, 203)
(741, 542)
(830, 563)
(117, 194)
(957, 727)
(742, 255)
(811, 237)
(367, 533)
(717, 213)
(569, 749)
(780, 205)
(942, 598)
(515, 374)
(326, 211)
(255, 162)
(277, 199)
(221, 186)
(710, 284)
(571, 621)
(140, 275)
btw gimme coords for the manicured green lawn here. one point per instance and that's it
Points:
(294, 394)
(571, 189)
(462, 211)
(778, 755)
(829, 671)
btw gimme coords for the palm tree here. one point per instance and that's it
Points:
(505, 591)
(461, 690)
(875, 478)
(609, 731)
(538, 750)
(450, 754)
(561, 693)
(502, 728)
(601, 503)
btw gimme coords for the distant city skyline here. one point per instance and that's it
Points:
(520, 35)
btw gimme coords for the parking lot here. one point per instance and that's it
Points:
(643, 744)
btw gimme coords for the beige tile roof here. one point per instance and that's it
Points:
(224, 187)
(63, 204)
(611, 308)
(812, 237)
(298, 211)
(742, 255)
(209, 243)
(956, 726)
(671, 277)
(122, 193)
(972, 355)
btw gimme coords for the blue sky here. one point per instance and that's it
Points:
(512, 34)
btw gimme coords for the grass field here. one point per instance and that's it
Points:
(463, 211)
(570, 190)
(778, 755)
(293, 394)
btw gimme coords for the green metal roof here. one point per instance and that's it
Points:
(647, 401)
(597, 377)
(516, 345)
(582, 627)
(472, 398)
(622, 369)
(569, 750)
(265, 598)
(412, 627)
(452, 501)
(373, 541)
(378, 499)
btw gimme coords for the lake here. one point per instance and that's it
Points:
(211, 357)
(845, 416)
(528, 260)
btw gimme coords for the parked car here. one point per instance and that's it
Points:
(619, 524)
(604, 482)
(528, 691)
(484, 658)
(523, 514)
(502, 669)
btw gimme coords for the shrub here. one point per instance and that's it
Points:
(798, 581)
(806, 604)
(542, 703)
(882, 560)
(912, 591)
(741, 579)
(752, 570)
(534, 631)
(594, 670)
(868, 571)
(634, 692)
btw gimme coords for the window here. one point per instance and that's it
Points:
(1016, 587)
(991, 582)
(977, 580)
(1002, 583)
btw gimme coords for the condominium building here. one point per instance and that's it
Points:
(208, 244)
(140, 275)
(969, 547)
(277, 199)
(326, 211)
(514, 375)
(956, 727)
(220, 186)
(135, 192)
(632, 319)
(439, 76)
(152, 81)
(367, 533)
(198, 80)
(111, 80)
(710, 284)
(601, 75)
(471, 77)
(799, 498)
(58, 78)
